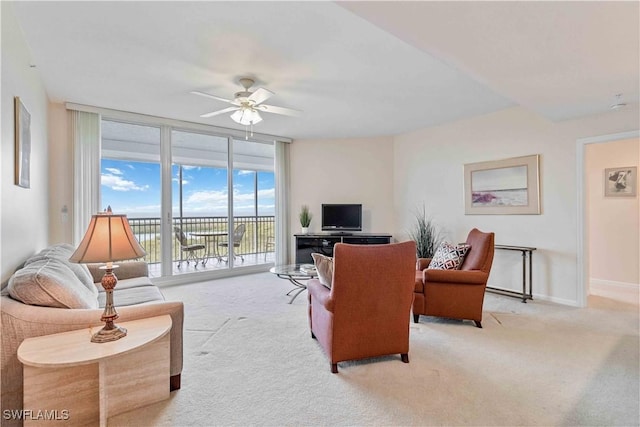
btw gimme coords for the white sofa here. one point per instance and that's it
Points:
(49, 294)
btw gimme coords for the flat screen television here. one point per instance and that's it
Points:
(341, 217)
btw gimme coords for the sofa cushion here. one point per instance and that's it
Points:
(132, 296)
(50, 283)
(62, 252)
(448, 256)
(324, 265)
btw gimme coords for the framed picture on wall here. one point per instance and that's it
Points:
(621, 181)
(22, 144)
(503, 187)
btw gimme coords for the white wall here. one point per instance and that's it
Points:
(428, 168)
(23, 218)
(613, 223)
(343, 171)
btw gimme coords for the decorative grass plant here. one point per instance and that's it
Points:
(425, 234)
(305, 216)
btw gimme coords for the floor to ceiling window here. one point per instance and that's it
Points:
(253, 199)
(191, 210)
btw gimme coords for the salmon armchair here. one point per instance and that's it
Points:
(367, 311)
(455, 294)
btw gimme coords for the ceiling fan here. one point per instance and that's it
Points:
(247, 105)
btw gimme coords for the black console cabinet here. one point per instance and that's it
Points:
(306, 244)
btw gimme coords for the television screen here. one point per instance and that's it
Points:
(342, 217)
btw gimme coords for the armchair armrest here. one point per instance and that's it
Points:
(321, 293)
(422, 263)
(470, 277)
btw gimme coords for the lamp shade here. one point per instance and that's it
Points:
(108, 238)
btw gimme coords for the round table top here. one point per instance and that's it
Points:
(75, 348)
(208, 233)
(303, 271)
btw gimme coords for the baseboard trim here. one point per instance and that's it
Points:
(556, 300)
(619, 291)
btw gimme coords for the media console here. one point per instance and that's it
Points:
(323, 243)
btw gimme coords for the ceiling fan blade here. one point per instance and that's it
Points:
(206, 95)
(260, 95)
(278, 110)
(215, 113)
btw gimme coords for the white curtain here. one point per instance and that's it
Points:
(84, 130)
(282, 202)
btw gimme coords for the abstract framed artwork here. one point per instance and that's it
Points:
(22, 144)
(621, 182)
(503, 187)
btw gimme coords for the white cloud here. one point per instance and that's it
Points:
(114, 171)
(184, 181)
(117, 183)
(267, 193)
(208, 197)
(241, 172)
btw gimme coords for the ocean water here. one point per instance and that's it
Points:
(513, 197)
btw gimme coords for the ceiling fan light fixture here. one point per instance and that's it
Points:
(246, 116)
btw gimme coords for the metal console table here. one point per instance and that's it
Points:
(527, 292)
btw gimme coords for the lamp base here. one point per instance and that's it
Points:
(107, 334)
(110, 331)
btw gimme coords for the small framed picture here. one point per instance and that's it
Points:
(621, 182)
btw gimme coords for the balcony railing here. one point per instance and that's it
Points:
(259, 230)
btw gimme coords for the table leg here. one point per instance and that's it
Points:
(530, 275)
(299, 287)
(216, 251)
(524, 277)
(206, 255)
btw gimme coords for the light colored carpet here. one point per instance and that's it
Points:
(249, 360)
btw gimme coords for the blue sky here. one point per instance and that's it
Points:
(133, 188)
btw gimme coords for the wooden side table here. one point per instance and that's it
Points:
(66, 376)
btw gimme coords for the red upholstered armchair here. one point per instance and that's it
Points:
(366, 312)
(455, 294)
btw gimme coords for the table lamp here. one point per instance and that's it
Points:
(109, 238)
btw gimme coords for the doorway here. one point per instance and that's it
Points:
(608, 242)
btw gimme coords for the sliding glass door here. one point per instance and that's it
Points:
(199, 200)
(253, 201)
(178, 187)
(130, 181)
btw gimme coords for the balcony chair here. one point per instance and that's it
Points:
(366, 311)
(238, 234)
(188, 250)
(269, 246)
(455, 294)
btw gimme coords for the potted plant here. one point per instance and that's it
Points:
(305, 218)
(425, 234)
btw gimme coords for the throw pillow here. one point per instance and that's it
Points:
(324, 265)
(62, 252)
(50, 283)
(449, 256)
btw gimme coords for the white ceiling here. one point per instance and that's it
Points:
(355, 69)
